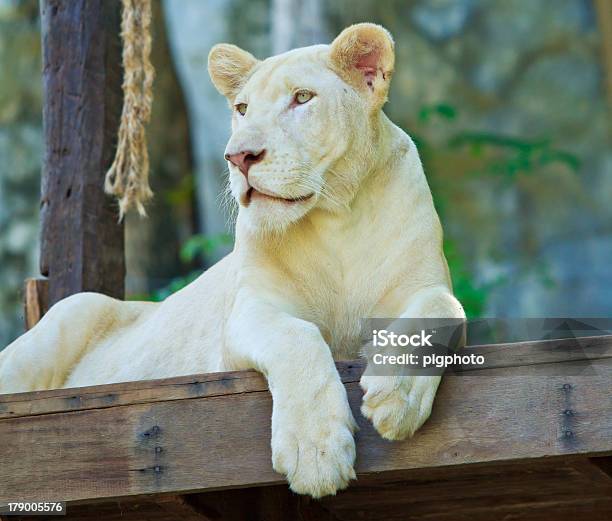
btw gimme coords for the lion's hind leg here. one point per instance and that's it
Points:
(43, 357)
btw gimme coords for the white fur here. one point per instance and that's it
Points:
(290, 297)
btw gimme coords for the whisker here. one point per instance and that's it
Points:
(324, 191)
(227, 203)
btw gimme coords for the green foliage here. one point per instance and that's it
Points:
(201, 245)
(443, 110)
(494, 156)
(472, 296)
(520, 157)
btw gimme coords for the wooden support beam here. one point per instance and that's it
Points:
(82, 241)
(557, 489)
(150, 508)
(210, 432)
(563, 490)
(276, 503)
(604, 465)
(36, 301)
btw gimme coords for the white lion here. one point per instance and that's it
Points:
(335, 223)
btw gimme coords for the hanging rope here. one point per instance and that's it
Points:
(128, 176)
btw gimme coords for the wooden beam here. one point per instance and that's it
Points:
(275, 503)
(557, 489)
(522, 355)
(82, 241)
(150, 508)
(566, 490)
(604, 465)
(36, 301)
(213, 432)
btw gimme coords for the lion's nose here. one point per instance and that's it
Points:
(245, 159)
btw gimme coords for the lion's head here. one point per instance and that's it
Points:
(303, 123)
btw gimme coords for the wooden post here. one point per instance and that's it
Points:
(36, 301)
(82, 242)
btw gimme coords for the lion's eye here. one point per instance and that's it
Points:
(303, 96)
(241, 108)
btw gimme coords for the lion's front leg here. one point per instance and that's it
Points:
(399, 405)
(312, 424)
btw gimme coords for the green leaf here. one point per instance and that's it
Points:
(202, 245)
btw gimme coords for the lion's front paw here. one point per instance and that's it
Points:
(398, 405)
(315, 449)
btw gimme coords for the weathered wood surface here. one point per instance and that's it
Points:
(36, 301)
(561, 489)
(498, 356)
(82, 241)
(212, 431)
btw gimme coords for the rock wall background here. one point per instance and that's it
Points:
(506, 99)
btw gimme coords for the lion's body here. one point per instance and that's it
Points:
(300, 280)
(330, 272)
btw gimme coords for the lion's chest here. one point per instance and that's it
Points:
(344, 289)
(339, 316)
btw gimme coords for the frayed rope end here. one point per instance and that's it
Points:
(128, 177)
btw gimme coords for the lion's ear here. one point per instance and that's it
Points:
(363, 54)
(229, 68)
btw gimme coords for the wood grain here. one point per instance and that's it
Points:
(36, 301)
(82, 241)
(504, 491)
(560, 489)
(221, 441)
(499, 356)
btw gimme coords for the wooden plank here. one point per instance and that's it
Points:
(274, 503)
(517, 491)
(504, 491)
(498, 356)
(516, 354)
(222, 441)
(603, 465)
(574, 509)
(128, 393)
(82, 241)
(36, 301)
(158, 508)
